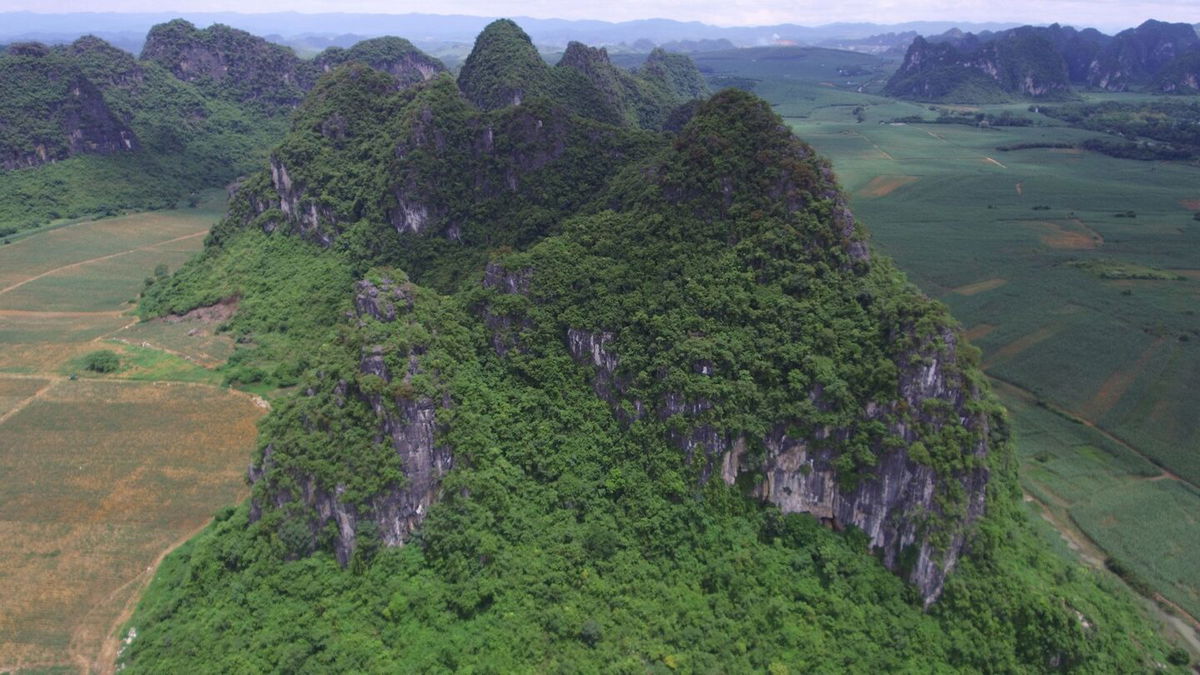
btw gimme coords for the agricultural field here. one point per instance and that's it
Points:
(1076, 274)
(104, 473)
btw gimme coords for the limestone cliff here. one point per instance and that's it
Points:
(394, 414)
(53, 111)
(392, 55)
(230, 63)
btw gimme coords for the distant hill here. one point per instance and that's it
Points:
(89, 128)
(317, 31)
(1048, 63)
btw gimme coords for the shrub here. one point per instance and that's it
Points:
(102, 361)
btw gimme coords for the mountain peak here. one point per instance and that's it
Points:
(503, 67)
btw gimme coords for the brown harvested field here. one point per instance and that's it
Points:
(100, 478)
(1021, 344)
(1115, 386)
(14, 392)
(1069, 234)
(1191, 274)
(882, 186)
(980, 286)
(979, 332)
(41, 358)
(1190, 204)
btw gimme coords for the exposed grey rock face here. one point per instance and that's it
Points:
(504, 329)
(83, 122)
(408, 424)
(394, 56)
(897, 507)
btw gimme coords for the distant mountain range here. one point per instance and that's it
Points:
(1049, 63)
(128, 31)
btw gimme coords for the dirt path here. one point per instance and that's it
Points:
(1021, 344)
(995, 162)
(24, 404)
(110, 256)
(33, 314)
(1115, 386)
(875, 145)
(104, 660)
(1020, 192)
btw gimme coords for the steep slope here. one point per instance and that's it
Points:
(51, 111)
(1019, 63)
(230, 64)
(395, 56)
(141, 137)
(505, 69)
(1137, 56)
(609, 438)
(1043, 63)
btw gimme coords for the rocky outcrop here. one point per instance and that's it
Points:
(230, 63)
(60, 113)
(1021, 63)
(394, 56)
(1139, 55)
(1044, 62)
(903, 506)
(407, 422)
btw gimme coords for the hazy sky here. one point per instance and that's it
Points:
(1099, 13)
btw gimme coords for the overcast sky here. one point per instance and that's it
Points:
(1108, 14)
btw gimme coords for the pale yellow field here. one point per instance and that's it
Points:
(102, 475)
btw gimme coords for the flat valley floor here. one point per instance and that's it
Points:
(102, 475)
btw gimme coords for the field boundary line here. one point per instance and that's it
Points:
(103, 257)
(105, 660)
(1063, 412)
(25, 403)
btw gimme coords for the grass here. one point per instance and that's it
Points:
(103, 473)
(1073, 310)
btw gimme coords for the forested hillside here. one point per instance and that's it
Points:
(87, 129)
(575, 393)
(1048, 63)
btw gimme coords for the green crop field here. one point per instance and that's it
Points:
(1032, 250)
(103, 473)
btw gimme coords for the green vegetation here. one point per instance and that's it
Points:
(1116, 269)
(102, 361)
(505, 68)
(180, 141)
(1148, 130)
(567, 536)
(1010, 65)
(231, 64)
(393, 55)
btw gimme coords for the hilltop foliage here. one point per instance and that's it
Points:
(572, 533)
(505, 68)
(230, 64)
